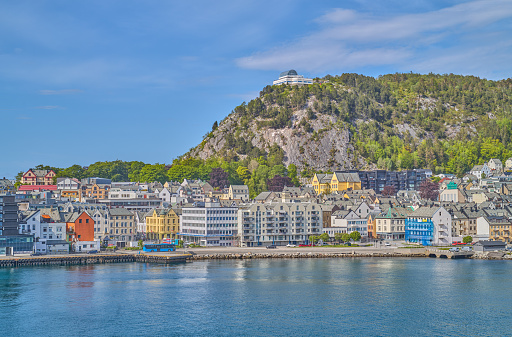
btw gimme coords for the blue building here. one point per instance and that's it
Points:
(429, 226)
(419, 230)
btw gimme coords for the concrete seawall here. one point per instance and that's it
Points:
(231, 256)
(89, 259)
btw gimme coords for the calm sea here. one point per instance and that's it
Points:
(309, 297)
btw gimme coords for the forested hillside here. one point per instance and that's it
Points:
(447, 123)
(401, 121)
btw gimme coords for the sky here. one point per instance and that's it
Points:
(88, 81)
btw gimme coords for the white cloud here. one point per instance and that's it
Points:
(347, 39)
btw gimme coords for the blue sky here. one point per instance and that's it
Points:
(87, 81)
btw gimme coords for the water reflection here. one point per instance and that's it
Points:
(385, 297)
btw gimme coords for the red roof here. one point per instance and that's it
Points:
(37, 188)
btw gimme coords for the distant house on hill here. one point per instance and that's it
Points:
(291, 77)
(495, 165)
(478, 170)
(38, 177)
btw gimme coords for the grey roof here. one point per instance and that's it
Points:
(490, 243)
(263, 196)
(120, 212)
(347, 177)
(240, 187)
(426, 212)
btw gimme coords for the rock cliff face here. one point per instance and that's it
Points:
(326, 144)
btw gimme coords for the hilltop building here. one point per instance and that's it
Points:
(38, 177)
(291, 77)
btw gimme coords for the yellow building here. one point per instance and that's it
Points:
(71, 194)
(163, 223)
(335, 182)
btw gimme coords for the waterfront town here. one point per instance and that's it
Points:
(47, 215)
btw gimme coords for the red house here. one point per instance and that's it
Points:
(80, 227)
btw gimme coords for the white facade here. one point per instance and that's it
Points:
(67, 184)
(43, 232)
(101, 223)
(495, 164)
(442, 221)
(86, 246)
(279, 223)
(482, 229)
(448, 195)
(508, 163)
(478, 170)
(351, 222)
(165, 195)
(238, 192)
(210, 225)
(291, 77)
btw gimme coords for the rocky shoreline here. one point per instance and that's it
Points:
(249, 255)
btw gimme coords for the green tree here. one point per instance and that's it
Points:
(134, 171)
(140, 243)
(491, 148)
(151, 173)
(292, 173)
(18, 179)
(314, 239)
(75, 171)
(338, 237)
(345, 237)
(325, 237)
(356, 236)
(243, 174)
(467, 239)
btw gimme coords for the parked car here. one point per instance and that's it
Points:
(303, 245)
(271, 246)
(387, 244)
(92, 251)
(291, 245)
(467, 249)
(454, 249)
(36, 254)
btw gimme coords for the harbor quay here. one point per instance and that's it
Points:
(228, 253)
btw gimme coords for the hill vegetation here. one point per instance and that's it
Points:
(446, 123)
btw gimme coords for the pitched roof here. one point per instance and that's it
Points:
(120, 212)
(425, 211)
(347, 177)
(490, 243)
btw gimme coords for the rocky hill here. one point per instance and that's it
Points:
(397, 121)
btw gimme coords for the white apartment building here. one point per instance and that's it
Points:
(209, 225)
(278, 223)
(353, 220)
(291, 77)
(49, 236)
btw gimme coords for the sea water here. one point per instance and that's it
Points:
(267, 297)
